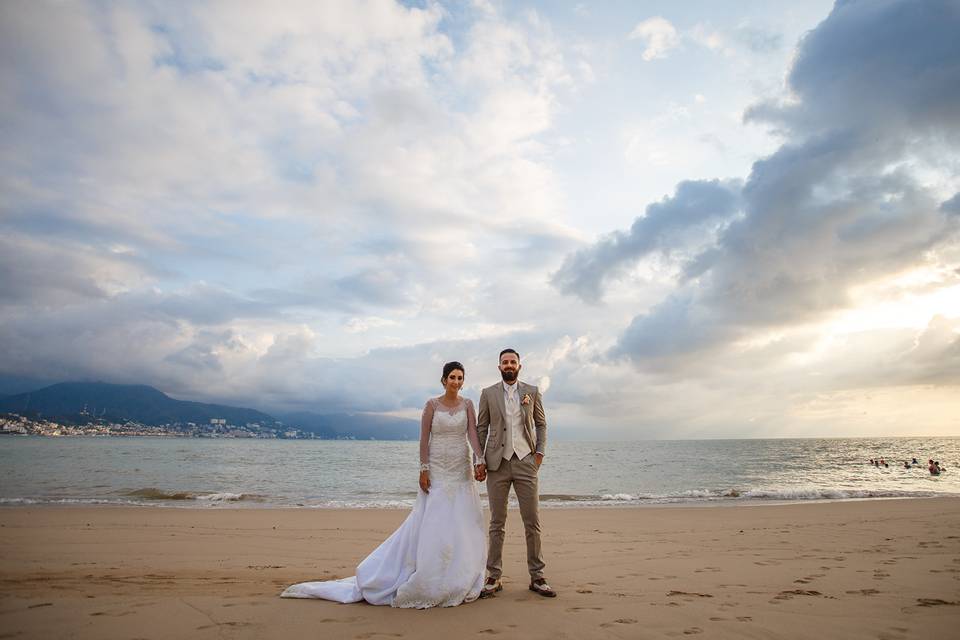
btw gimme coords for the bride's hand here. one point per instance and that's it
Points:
(425, 481)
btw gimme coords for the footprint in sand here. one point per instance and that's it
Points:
(671, 594)
(341, 620)
(378, 634)
(935, 602)
(788, 595)
(864, 592)
(692, 631)
(226, 624)
(572, 609)
(607, 625)
(744, 619)
(490, 631)
(584, 591)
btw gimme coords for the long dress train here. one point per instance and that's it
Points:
(438, 555)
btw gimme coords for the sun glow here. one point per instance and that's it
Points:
(909, 300)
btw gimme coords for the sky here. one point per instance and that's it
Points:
(692, 220)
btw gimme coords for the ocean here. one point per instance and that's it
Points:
(212, 473)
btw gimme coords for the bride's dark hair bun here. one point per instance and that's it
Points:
(452, 366)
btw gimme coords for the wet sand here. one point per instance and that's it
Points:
(885, 569)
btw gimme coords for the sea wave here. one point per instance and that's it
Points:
(152, 493)
(44, 501)
(152, 496)
(797, 494)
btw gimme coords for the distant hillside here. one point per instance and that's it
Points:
(361, 426)
(78, 401)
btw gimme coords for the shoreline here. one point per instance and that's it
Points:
(852, 569)
(194, 504)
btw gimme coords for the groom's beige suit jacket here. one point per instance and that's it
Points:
(492, 421)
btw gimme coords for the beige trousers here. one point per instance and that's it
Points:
(522, 474)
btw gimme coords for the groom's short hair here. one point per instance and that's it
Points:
(509, 350)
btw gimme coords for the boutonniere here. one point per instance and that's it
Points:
(526, 399)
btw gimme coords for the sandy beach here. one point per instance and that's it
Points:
(877, 569)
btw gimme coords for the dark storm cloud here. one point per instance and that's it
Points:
(694, 206)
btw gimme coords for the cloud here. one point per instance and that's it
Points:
(228, 199)
(658, 35)
(952, 205)
(695, 210)
(837, 205)
(883, 68)
(313, 206)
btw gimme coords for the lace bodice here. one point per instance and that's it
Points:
(443, 440)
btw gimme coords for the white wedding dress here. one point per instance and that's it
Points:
(438, 555)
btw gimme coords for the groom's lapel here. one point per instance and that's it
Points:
(498, 394)
(522, 390)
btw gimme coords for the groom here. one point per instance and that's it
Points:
(513, 433)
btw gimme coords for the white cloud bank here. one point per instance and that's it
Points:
(314, 206)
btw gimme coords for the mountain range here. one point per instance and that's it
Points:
(81, 402)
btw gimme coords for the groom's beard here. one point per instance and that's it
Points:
(509, 376)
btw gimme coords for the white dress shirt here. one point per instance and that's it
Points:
(515, 441)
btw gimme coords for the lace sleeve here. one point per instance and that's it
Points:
(472, 432)
(426, 422)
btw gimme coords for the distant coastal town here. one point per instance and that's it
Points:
(15, 424)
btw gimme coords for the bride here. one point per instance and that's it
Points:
(437, 556)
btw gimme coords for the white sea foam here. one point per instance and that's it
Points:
(222, 497)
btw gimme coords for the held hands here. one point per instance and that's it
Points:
(480, 472)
